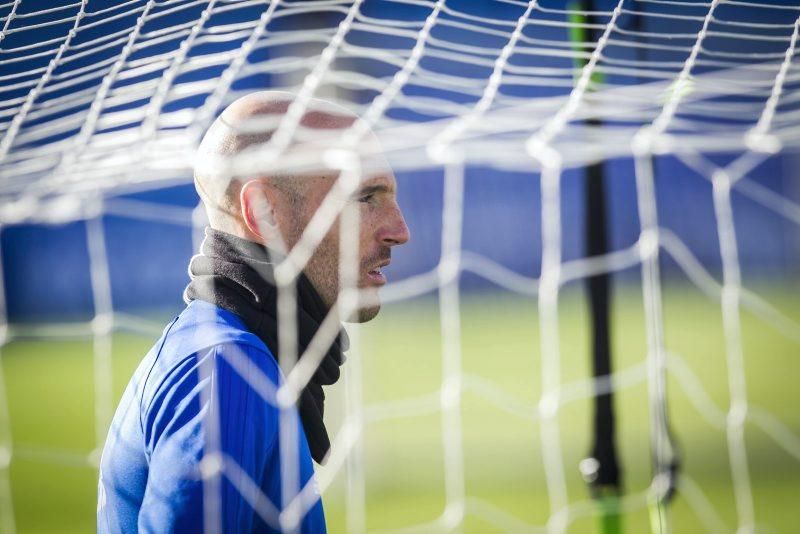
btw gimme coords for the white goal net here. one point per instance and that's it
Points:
(696, 104)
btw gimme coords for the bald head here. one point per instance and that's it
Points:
(246, 125)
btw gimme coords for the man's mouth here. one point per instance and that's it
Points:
(375, 275)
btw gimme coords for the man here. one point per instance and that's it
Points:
(198, 441)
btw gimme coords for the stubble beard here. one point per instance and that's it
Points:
(325, 278)
(323, 270)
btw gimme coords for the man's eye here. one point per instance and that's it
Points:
(366, 198)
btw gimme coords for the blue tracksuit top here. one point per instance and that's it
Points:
(202, 388)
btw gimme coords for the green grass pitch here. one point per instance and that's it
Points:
(51, 403)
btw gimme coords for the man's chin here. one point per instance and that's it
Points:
(368, 314)
(369, 306)
(363, 315)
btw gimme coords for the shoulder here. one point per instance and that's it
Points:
(202, 328)
(206, 340)
(202, 325)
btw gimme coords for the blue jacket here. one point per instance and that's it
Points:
(207, 385)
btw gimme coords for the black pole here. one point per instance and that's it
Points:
(603, 473)
(601, 470)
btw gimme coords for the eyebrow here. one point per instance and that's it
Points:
(372, 189)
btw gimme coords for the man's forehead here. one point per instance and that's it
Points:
(380, 180)
(368, 160)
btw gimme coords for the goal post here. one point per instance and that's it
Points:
(601, 468)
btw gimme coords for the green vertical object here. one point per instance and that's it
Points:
(609, 503)
(606, 495)
(579, 34)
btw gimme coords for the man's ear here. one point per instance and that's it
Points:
(258, 212)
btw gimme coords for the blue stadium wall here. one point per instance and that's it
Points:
(47, 273)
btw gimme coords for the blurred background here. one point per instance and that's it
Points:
(58, 388)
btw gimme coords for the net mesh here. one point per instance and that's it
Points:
(120, 96)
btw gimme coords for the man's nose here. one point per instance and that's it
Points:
(395, 231)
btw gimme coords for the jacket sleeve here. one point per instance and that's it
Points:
(204, 406)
